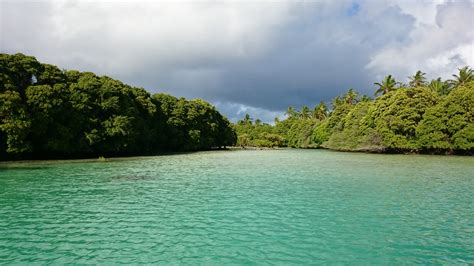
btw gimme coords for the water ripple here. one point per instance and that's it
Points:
(245, 207)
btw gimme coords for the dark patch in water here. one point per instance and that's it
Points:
(7, 168)
(130, 177)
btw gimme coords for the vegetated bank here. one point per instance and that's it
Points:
(434, 117)
(46, 112)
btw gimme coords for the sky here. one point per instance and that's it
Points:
(255, 57)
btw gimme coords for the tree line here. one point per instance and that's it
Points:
(418, 117)
(49, 112)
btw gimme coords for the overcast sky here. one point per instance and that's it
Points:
(245, 56)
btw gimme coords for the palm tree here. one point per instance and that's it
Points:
(290, 112)
(351, 96)
(247, 120)
(439, 86)
(465, 75)
(388, 84)
(417, 80)
(336, 102)
(305, 112)
(320, 111)
(365, 98)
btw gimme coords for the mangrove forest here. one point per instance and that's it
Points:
(47, 112)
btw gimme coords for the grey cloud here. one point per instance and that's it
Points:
(312, 58)
(253, 56)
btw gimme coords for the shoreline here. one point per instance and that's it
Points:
(230, 148)
(377, 150)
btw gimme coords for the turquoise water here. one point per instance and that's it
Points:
(240, 207)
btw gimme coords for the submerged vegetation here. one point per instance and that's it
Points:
(48, 112)
(419, 117)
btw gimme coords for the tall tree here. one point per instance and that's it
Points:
(247, 120)
(439, 86)
(466, 75)
(351, 96)
(290, 112)
(336, 102)
(320, 111)
(388, 84)
(417, 80)
(305, 112)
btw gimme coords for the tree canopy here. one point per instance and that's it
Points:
(49, 112)
(435, 117)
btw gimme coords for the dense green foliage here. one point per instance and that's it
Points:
(433, 117)
(48, 112)
(45, 111)
(257, 134)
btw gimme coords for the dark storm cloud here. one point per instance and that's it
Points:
(256, 57)
(311, 58)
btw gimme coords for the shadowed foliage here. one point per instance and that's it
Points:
(48, 112)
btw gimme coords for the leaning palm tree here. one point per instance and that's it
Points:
(465, 75)
(351, 96)
(290, 112)
(388, 84)
(305, 112)
(320, 111)
(439, 86)
(417, 80)
(337, 101)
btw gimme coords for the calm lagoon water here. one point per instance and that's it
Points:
(240, 207)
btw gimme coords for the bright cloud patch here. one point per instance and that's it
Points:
(437, 48)
(238, 111)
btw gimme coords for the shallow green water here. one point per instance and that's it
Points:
(240, 207)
